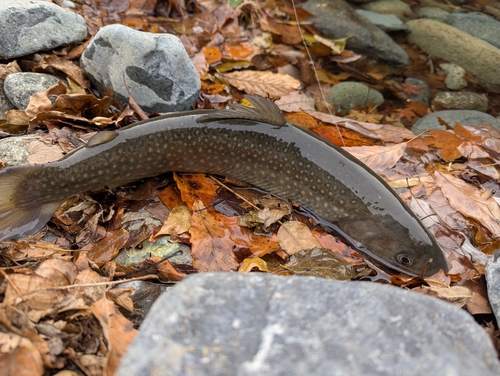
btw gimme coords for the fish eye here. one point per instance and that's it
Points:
(404, 258)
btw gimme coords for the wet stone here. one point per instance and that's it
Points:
(454, 76)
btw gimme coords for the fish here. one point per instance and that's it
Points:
(253, 144)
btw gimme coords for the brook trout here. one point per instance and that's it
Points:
(255, 145)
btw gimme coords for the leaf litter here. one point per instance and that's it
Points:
(60, 308)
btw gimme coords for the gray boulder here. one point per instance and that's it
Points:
(449, 43)
(464, 117)
(337, 20)
(28, 26)
(478, 25)
(260, 324)
(155, 68)
(19, 87)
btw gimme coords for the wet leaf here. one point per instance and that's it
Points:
(178, 222)
(319, 262)
(212, 249)
(247, 265)
(378, 158)
(294, 236)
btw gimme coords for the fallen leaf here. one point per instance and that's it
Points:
(212, 249)
(466, 199)
(295, 236)
(378, 158)
(295, 102)
(178, 222)
(265, 84)
(248, 264)
(117, 330)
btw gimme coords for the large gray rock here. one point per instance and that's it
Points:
(28, 26)
(155, 67)
(449, 43)
(464, 117)
(492, 274)
(337, 20)
(19, 87)
(256, 324)
(478, 25)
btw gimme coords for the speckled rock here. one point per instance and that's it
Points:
(347, 95)
(386, 22)
(449, 43)
(395, 7)
(454, 76)
(19, 87)
(155, 67)
(336, 19)
(464, 117)
(5, 103)
(29, 26)
(260, 324)
(464, 100)
(478, 25)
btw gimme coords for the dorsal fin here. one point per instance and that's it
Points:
(101, 138)
(263, 110)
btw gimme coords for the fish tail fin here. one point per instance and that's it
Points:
(21, 214)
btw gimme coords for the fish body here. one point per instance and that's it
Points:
(255, 145)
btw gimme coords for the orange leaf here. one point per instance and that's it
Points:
(238, 52)
(196, 187)
(118, 332)
(212, 54)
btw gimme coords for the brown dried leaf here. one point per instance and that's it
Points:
(295, 236)
(378, 158)
(467, 200)
(18, 356)
(108, 247)
(295, 102)
(212, 249)
(64, 65)
(265, 84)
(40, 102)
(117, 330)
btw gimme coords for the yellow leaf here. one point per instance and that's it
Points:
(265, 84)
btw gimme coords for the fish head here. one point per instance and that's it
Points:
(390, 244)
